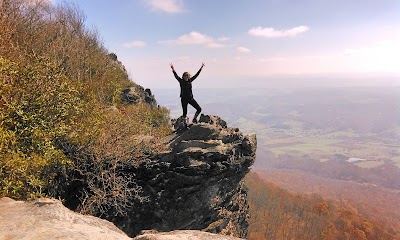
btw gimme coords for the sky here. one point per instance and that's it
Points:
(244, 40)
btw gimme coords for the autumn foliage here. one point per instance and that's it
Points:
(61, 114)
(279, 214)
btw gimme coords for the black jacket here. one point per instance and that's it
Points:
(186, 86)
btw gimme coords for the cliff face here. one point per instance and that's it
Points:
(197, 184)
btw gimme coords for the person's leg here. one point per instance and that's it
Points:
(184, 103)
(197, 107)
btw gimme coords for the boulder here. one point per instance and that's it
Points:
(210, 119)
(180, 123)
(137, 94)
(49, 219)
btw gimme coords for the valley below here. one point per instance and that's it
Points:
(340, 143)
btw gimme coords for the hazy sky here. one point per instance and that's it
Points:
(245, 39)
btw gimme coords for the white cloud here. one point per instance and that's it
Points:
(243, 50)
(273, 33)
(135, 44)
(168, 6)
(196, 38)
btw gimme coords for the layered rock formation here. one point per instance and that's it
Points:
(197, 184)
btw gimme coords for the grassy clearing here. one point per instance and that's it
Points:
(306, 146)
(370, 164)
(370, 150)
(374, 151)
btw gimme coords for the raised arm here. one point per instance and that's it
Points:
(197, 74)
(176, 75)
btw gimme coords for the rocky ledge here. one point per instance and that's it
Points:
(197, 184)
(45, 219)
(49, 219)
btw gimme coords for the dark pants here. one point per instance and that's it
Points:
(191, 101)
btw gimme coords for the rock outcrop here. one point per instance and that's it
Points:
(197, 184)
(49, 219)
(45, 219)
(138, 94)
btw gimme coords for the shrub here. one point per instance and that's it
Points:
(103, 167)
(38, 105)
(61, 118)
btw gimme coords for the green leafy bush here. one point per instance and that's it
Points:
(38, 105)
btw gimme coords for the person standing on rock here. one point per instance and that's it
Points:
(186, 91)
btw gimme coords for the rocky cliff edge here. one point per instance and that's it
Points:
(45, 219)
(197, 184)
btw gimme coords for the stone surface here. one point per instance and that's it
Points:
(179, 124)
(184, 235)
(48, 219)
(212, 120)
(197, 184)
(138, 94)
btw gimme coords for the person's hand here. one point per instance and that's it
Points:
(172, 66)
(202, 65)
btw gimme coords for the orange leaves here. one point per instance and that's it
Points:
(279, 214)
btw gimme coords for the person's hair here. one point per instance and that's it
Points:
(185, 73)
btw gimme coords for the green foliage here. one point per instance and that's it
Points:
(38, 105)
(61, 88)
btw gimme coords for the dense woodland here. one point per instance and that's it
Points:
(370, 201)
(280, 214)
